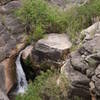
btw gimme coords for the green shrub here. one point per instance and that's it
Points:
(45, 85)
(38, 32)
(41, 16)
(34, 89)
(46, 18)
(55, 88)
(79, 18)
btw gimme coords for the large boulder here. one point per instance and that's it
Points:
(9, 7)
(54, 46)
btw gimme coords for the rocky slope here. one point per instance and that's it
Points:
(82, 69)
(12, 40)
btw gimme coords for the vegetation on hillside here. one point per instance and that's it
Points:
(44, 18)
(45, 87)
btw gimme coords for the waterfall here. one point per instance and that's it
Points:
(21, 78)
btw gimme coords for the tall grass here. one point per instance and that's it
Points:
(45, 86)
(45, 18)
(39, 12)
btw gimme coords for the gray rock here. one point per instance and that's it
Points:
(9, 7)
(55, 46)
(2, 78)
(79, 83)
(11, 31)
(78, 62)
(13, 24)
(90, 72)
(97, 71)
(3, 96)
(68, 3)
(27, 52)
(12, 40)
(83, 68)
(93, 45)
(96, 80)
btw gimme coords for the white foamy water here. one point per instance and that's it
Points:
(21, 78)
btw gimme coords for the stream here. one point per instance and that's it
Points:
(21, 78)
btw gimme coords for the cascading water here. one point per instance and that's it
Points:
(21, 78)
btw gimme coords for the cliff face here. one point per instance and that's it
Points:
(12, 40)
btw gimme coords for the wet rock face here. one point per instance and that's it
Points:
(27, 52)
(12, 40)
(3, 96)
(2, 78)
(83, 68)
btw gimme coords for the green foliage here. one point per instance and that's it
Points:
(33, 92)
(28, 62)
(78, 98)
(38, 33)
(55, 88)
(79, 18)
(41, 16)
(45, 86)
(45, 18)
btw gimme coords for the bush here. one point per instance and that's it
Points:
(45, 86)
(45, 18)
(38, 32)
(79, 18)
(55, 88)
(41, 16)
(34, 88)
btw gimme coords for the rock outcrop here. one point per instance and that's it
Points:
(12, 40)
(9, 7)
(55, 46)
(2, 2)
(52, 49)
(27, 52)
(82, 68)
(3, 96)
